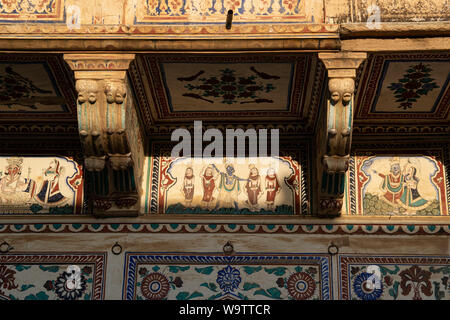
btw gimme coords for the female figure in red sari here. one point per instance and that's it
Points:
(253, 187)
(208, 184)
(272, 188)
(188, 187)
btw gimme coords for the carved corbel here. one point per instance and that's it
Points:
(103, 108)
(334, 134)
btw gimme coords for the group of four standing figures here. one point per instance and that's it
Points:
(228, 186)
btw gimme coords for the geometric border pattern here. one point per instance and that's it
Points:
(132, 259)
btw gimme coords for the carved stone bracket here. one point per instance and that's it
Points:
(102, 110)
(334, 133)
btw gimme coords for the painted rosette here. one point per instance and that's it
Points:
(301, 286)
(155, 286)
(366, 291)
(65, 288)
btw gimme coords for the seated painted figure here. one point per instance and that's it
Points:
(14, 188)
(50, 192)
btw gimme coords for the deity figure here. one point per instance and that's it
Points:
(392, 185)
(50, 190)
(272, 188)
(188, 187)
(253, 187)
(229, 188)
(14, 188)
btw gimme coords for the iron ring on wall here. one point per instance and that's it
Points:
(333, 249)
(5, 247)
(116, 249)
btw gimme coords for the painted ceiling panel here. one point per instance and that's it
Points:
(219, 88)
(36, 87)
(405, 86)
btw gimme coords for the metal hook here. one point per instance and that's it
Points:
(333, 249)
(5, 247)
(116, 249)
(228, 248)
(229, 19)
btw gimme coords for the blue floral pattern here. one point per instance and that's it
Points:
(228, 279)
(365, 292)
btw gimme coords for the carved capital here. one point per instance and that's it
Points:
(334, 133)
(98, 61)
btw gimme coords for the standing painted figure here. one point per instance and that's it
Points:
(208, 184)
(272, 188)
(253, 187)
(229, 188)
(188, 187)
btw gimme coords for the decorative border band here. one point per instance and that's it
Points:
(238, 228)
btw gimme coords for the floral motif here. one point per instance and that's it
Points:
(414, 84)
(155, 286)
(66, 289)
(418, 279)
(301, 286)
(30, 6)
(8, 6)
(230, 87)
(280, 282)
(87, 270)
(228, 279)
(48, 285)
(364, 291)
(178, 282)
(7, 278)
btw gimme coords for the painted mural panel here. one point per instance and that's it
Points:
(240, 186)
(40, 185)
(50, 277)
(213, 11)
(32, 11)
(400, 277)
(404, 185)
(155, 276)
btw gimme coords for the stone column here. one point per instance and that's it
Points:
(334, 133)
(102, 109)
